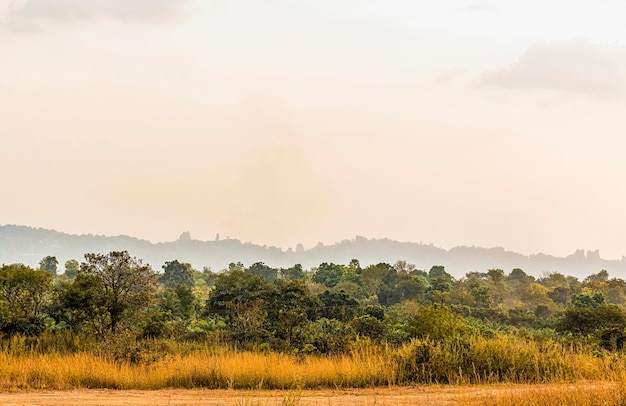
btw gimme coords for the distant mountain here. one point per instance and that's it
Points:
(20, 244)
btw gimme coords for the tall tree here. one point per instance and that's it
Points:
(175, 273)
(127, 283)
(23, 292)
(72, 267)
(49, 264)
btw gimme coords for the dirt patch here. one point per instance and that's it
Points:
(419, 395)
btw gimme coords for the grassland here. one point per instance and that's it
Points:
(502, 370)
(154, 365)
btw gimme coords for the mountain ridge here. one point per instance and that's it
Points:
(28, 245)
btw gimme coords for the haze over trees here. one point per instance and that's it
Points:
(28, 246)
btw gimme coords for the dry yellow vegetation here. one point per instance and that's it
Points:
(505, 359)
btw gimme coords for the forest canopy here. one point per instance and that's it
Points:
(320, 310)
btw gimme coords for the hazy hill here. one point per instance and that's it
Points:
(29, 245)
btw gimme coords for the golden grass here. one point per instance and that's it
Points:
(475, 360)
(591, 393)
(229, 370)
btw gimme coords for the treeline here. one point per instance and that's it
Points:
(323, 310)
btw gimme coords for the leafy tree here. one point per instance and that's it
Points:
(292, 295)
(553, 280)
(586, 300)
(338, 305)
(518, 275)
(81, 305)
(23, 292)
(602, 276)
(328, 336)
(496, 275)
(437, 323)
(328, 275)
(266, 272)
(127, 284)
(49, 264)
(177, 273)
(482, 296)
(291, 329)
(592, 320)
(401, 287)
(72, 267)
(368, 326)
(560, 295)
(293, 273)
(374, 277)
(248, 322)
(238, 287)
(441, 283)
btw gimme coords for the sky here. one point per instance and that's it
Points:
(278, 122)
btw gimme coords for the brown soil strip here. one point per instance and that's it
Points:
(403, 396)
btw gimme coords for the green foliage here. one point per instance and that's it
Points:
(82, 305)
(177, 273)
(115, 296)
(591, 320)
(125, 284)
(338, 306)
(23, 294)
(264, 271)
(437, 323)
(49, 264)
(371, 327)
(586, 300)
(23, 289)
(328, 336)
(72, 267)
(293, 273)
(328, 275)
(235, 288)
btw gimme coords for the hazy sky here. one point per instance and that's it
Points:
(286, 121)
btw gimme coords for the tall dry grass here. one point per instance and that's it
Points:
(473, 360)
(235, 370)
(588, 393)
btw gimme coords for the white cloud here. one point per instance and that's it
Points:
(579, 65)
(64, 10)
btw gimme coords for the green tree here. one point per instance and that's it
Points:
(23, 292)
(586, 300)
(441, 282)
(560, 295)
(338, 305)
(592, 320)
(81, 305)
(238, 287)
(293, 273)
(49, 264)
(328, 336)
(328, 275)
(266, 272)
(368, 326)
(72, 267)
(437, 323)
(177, 273)
(127, 284)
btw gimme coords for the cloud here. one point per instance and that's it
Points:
(579, 66)
(68, 10)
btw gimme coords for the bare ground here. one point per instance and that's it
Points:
(418, 395)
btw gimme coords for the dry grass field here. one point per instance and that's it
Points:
(583, 393)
